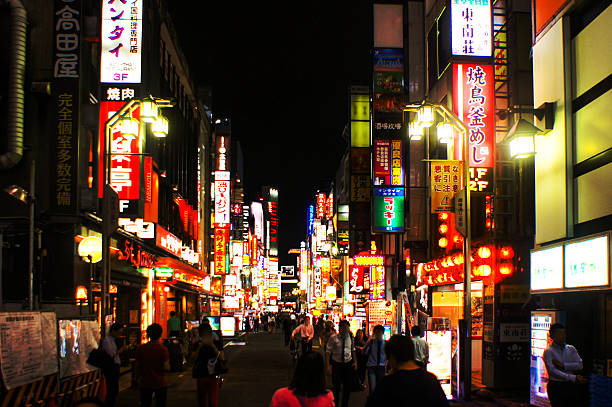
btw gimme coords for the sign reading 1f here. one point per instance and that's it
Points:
(471, 28)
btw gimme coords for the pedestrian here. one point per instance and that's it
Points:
(152, 359)
(376, 359)
(362, 358)
(174, 325)
(271, 324)
(306, 333)
(217, 337)
(204, 369)
(111, 373)
(307, 388)
(287, 330)
(406, 384)
(343, 361)
(562, 363)
(256, 323)
(421, 348)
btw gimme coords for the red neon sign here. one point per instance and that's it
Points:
(474, 104)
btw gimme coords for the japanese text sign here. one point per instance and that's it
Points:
(471, 28)
(388, 210)
(318, 283)
(168, 241)
(222, 198)
(125, 158)
(121, 42)
(356, 283)
(377, 283)
(382, 164)
(67, 39)
(221, 241)
(321, 205)
(474, 104)
(446, 181)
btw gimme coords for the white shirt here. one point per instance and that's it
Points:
(110, 346)
(305, 331)
(568, 355)
(421, 349)
(336, 346)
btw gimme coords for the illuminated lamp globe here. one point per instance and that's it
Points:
(484, 252)
(485, 270)
(443, 242)
(443, 216)
(456, 239)
(91, 246)
(415, 131)
(506, 252)
(425, 116)
(444, 132)
(160, 127)
(166, 289)
(148, 111)
(443, 228)
(129, 126)
(506, 269)
(81, 293)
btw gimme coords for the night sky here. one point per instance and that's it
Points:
(282, 76)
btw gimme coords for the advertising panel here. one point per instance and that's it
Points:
(388, 212)
(547, 269)
(388, 70)
(586, 263)
(377, 283)
(221, 242)
(167, 241)
(446, 180)
(121, 42)
(356, 280)
(440, 358)
(222, 198)
(310, 219)
(471, 28)
(317, 288)
(382, 155)
(474, 104)
(258, 220)
(321, 201)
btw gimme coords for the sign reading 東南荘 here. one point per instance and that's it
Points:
(471, 28)
(446, 178)
(474, 104)
(388, 210)
(121, 41)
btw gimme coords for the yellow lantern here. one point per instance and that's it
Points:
(90, 248)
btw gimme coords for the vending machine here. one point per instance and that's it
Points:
(541, 320)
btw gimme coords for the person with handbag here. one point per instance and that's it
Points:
(307, 388)
(209, 364)
(343, 361)
(376, 359)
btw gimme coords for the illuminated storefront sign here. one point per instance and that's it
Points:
(221, 241)
(474, 104)
(317, 283)
(258, 219)
(222, 198)
(471, 28)
(329, 213)
(382, 164)
(367, 261)
(397, 163)
(273, 213)
(310, 219)
(377, 283)
(163, 274)
(121, 47)
(388, 212)
(356, 283)
(480, 180)
(321, 201)
(168, 241)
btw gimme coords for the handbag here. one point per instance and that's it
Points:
(353, 383)
(100, 359)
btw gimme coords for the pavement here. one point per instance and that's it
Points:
(258, 366)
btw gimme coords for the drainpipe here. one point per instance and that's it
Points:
(16, 79)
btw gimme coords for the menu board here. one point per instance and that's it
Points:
(22, 359)
(440, 360)
(547, 269)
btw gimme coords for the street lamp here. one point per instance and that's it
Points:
(149, 113)
(521, 137)
(426, 115)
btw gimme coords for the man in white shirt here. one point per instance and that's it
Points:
(562, 362)
(341, 358)
(421, 348)
(306, 332)
(111, 374)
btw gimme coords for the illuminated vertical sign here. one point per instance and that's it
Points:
(356, 283)
(310, 219)
(221, 241)
(382, 164)
(474, 104)
(388, 213)
(124, 160)
(121, 41)
(377, 283)
(273, 213)
(321, 201)
(222, 198)
(330, 206)
(317, 287)
(258, 219)
(471, 28)
(397, 163)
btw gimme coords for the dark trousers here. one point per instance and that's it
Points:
(306, 346)
(146, 397)
(375, 375)
(111, 375)
(341, 375)
(287, 336)
(563, 394)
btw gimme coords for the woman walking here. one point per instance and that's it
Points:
(307, 388)
(205, 369)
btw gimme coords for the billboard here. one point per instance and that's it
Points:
(258, 219)
(446, 181)
(221, 254)
(121, 42)
(222, 198)
(388, 211)
(471, 28)
(356, 280)
(273, 214)
(474, 104)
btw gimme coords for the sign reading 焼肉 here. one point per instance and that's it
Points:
(446, 178)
